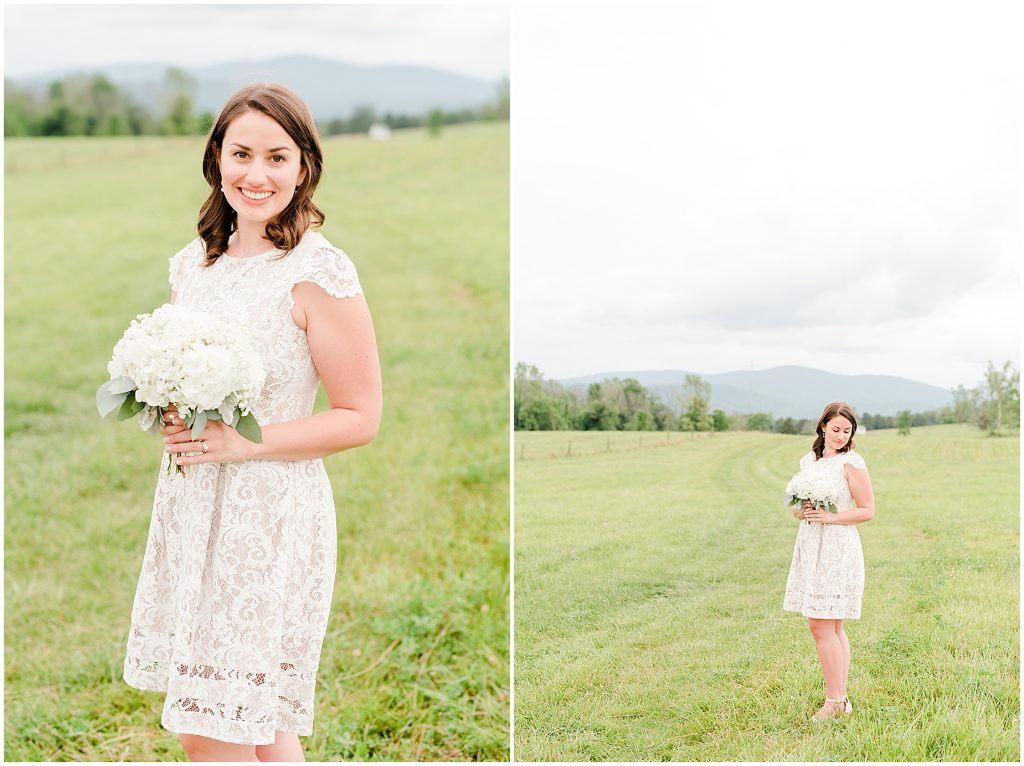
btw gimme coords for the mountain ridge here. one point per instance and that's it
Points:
(788, 390)
(332, 88)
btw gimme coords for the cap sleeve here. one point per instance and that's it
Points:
(806, 460)
(856, 461)
(180, 262)
(329, 267)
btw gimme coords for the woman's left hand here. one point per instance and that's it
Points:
(217, 443)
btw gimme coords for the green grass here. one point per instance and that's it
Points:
(648, 601)
(415, 662)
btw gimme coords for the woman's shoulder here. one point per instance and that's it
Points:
(196, 246)
(190, 255)
(314, 243)
(320, 261)
(807, 459)
(855, 459)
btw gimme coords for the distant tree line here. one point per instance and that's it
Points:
(93, 106)
(625, 405)
(365, 116)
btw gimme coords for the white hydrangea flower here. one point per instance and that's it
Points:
(813, 486)
(188, 357)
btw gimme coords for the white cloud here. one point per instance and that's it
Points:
(468, 39)
(716, 185)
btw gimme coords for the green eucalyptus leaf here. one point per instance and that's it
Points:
(107, 402)
(212, 415)
(154, 430)
(248, 427)
(130, 408)
(198, 423)
(122, 386)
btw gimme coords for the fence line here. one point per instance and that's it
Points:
(638, 441)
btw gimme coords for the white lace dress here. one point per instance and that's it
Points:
(233, 599)
(826, 576)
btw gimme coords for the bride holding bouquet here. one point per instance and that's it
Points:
(236, 584)
(826, 576)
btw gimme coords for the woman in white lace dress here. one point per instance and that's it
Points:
(232, 603)
(826, 577)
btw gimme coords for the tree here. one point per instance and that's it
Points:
(543, 414)
(759, 421)
(641, 421)
(634, 394)
(785, 426)
(598, 416)
(19, 111)
(435, 121)
(504, 100)
(362, 118)
(104, 108)
(533, 407)
(903, 422)
(965, 404)
(695, 399)
(662, 415)
(179, 93)
(719, 420)
(1002, 389)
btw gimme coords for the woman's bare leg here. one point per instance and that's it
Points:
(830, 652)
(286, 748)
(199, 748)
(845, 643)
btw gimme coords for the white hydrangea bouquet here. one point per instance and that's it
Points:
(197, 361)
(813, 486)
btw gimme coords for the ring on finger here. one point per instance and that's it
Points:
(206, 447)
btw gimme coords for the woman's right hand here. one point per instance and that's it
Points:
(173, 424)
(799, 512)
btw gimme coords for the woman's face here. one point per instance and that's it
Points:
(260, 166)
(838, 431)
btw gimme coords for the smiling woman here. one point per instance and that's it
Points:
(263, 162)
(233, 601)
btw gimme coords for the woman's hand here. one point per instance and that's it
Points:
(811, 513)
(172, 422)
(799, 512)
(217, 443)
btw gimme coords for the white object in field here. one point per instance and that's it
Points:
(379, 131)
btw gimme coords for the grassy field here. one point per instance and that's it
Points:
(415, 663)
(648, 601)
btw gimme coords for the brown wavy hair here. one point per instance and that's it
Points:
(832, 410)
(217, 219)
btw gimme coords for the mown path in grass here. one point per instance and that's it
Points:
(648, 602)
(415, 662)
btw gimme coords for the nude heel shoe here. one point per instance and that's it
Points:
(847, 707)
(838, 707)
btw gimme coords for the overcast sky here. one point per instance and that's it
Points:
(468, 39)
(729, 185)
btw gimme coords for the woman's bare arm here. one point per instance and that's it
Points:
(863, 496)
(344, 350)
